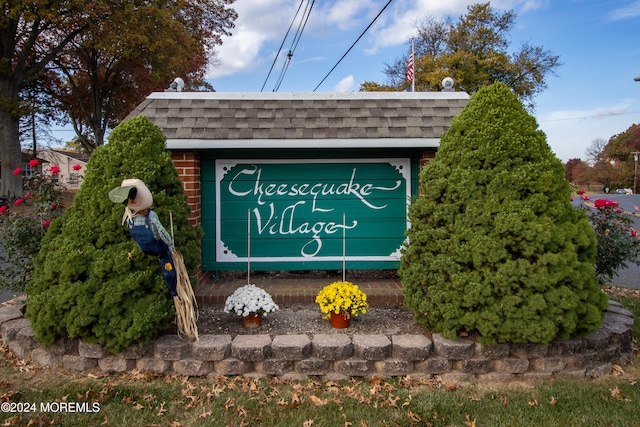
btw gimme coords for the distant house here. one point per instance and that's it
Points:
(71, 164)
(315, 180)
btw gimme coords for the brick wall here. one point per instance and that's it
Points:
(427, 155)
(187, 164)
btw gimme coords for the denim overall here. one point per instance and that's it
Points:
(143, 235)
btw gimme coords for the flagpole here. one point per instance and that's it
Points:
(413, 80)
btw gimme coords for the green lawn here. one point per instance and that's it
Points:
(140, 399)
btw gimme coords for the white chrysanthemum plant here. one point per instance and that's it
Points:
(250, 299)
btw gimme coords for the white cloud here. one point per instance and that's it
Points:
(631, 10)
(259, 22)
(345, 85)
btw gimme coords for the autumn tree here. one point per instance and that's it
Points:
(32, 34)
(98, 59)
(612, 161)
(474, 51)
(574, 169)
(139, 47)
(623, 149)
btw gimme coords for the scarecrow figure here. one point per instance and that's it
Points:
(152, 238)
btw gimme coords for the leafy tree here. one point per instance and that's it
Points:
(573, 169)
(621, 149)
(620, 146)
(495, 246)
(474, 51)
(138, 48)
(91, 280)
(32, 33)
(98, 59)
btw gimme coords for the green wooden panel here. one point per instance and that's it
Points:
(307, 212)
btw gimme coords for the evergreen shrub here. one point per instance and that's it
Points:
(495, 247)
(90, 279)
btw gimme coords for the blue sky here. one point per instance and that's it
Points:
(593, 95)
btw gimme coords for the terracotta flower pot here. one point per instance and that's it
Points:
(252, 321)
(340, 320)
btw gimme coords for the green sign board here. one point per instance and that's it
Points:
(311, 210)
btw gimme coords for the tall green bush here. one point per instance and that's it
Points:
(90, 279)
(495, 247)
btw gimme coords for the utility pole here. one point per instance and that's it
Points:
(635, 169)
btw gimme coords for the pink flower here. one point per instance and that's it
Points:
(55, 170)
(33, 163)
(46, 223)
(634, 233)
(28, 196)
(18, 202)
(571, 199)
(3, 209)
(585, 198)
(17, 171)
(76, 167)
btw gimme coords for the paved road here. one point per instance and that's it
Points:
(628, 277)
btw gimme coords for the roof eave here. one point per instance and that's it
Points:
(205, 144)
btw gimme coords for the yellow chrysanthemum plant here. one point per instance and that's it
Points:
(342, 297)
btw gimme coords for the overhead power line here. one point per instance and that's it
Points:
(304, 17)
(282, 44)
(354, 43)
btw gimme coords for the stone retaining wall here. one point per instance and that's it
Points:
(335, 356)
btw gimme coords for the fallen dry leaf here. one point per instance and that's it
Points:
(469, 422)
(317, 401)
(161, 411)
(413, 416)
(229, 403)
(616, 393)
(307, 423)
(618, 370)
(205, 414)
(553, 401)
(533, 402)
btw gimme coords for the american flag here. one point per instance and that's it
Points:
(410, 69)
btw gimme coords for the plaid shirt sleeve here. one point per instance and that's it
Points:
(159, 231)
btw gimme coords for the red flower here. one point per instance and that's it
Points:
(585, 198)
(54, 206)
(76, 167)
(605, 203)
(28, 196)
(571, 199)
(17, 171)
(634, 233)
(33, 163)
(581, 192)
(3, 209)
(18, 202)
(55, 170)
(46, 223)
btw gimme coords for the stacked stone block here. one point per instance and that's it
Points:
(335, 356)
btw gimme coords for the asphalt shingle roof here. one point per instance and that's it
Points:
(220, 116)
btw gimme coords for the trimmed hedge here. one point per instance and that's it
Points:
(495, 247)
(91, 280)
